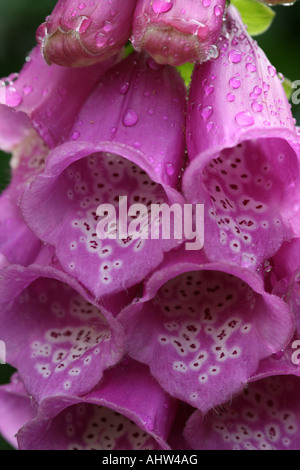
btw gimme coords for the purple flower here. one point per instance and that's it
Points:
(108, 155)
(203, 328)
(175, 31)
(80, 33)
(112, 416)
(244, 152)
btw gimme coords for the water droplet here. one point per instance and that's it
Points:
(124, 88)
(27, 89)
(162, 6)
(257, 90)
(206, 3)
(130, 118)
(213, 52)
(206, 112)
(272, 71)
(81, 6)
(235, 56)
(251, 67)
(75, 135)
(169, 167)
(13, 98)
(244, 118)
(257, 107)
(107, 27)
(100, 40)
(218, 10)
(209, 89)
(235, 83)
(231, 97)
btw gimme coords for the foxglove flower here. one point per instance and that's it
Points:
(244, 152)
(112, 154)
(265, 416)
(175, 31)
(81, 33)
(69, 333)
(203, 327)
(113, 416)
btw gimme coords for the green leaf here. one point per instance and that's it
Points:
(186, 71)
(257, 16)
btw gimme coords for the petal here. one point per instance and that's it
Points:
(17, 243)
(265, 416)
(98, 166)
(244, 168)
(68, 334)
(202, 330)
(15, 409)
(175, 31)
(112, 417)
(79, 34)
(13, 129)
(46, 95)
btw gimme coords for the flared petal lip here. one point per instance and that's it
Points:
(202, 158)
(57, 404)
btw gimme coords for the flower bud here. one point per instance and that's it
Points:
(175, 31)
(78, 34)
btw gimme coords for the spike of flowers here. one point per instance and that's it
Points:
(79, 33)
(124, 342)
(110, 155)
(175, 31)
(236, 163)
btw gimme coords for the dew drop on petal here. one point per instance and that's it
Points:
(13, 99)
(162, 6)
(169, 167)
(124, 88)
(235, 56)
(235, 83)
(130, 118)
(206, 112)
(257, 107)
(251, 67)
(244, 118)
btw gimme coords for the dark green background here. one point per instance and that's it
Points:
(20, 18)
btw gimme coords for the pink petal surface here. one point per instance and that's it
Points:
(45, 94)
(17, 243)
(80, 33)
(265, 416)
(60, 206)
(15, 409)
(175, 31)
(55, 333)
(112, 417)
(245, 167)
(203, 330)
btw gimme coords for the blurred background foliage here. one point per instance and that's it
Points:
(20, 18)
